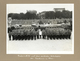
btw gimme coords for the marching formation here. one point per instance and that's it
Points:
(32, 34)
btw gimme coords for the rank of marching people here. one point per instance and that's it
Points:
(32, 34)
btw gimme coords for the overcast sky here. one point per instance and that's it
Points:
(22, 8)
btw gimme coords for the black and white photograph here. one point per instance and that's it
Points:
(39, 28)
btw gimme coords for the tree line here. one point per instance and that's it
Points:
(44, 15)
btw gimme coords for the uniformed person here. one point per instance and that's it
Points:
(9, 32)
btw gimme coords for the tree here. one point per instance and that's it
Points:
(10, 15)
(49, 15)
(58, 14)
(15, 16)
(66, 14)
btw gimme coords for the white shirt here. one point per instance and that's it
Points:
(40, 32)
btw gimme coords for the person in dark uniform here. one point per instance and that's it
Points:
(9, 32)
(44, 34)
(28, 34)
(37, 33)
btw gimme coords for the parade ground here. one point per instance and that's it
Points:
(40, 45)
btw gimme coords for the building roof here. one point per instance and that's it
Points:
(59, 9)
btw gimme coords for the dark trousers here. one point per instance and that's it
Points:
(37, 36)
(9, 37)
